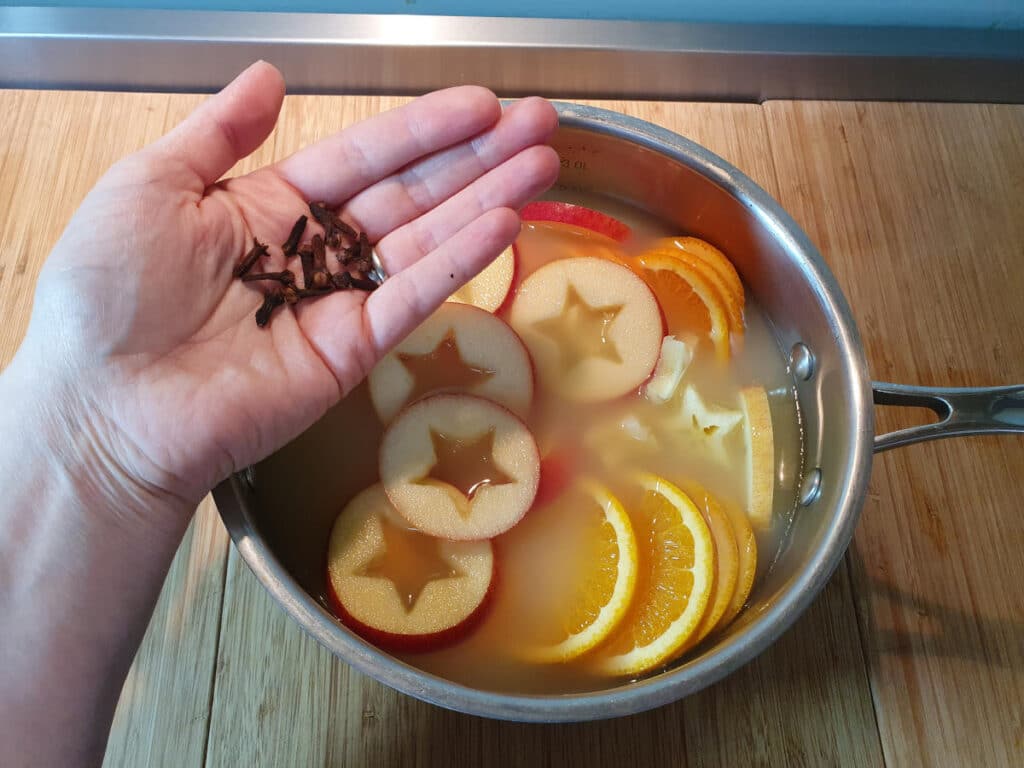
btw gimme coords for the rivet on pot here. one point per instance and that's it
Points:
(810, 489)
(801, 361)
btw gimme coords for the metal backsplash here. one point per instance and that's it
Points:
(334, 53)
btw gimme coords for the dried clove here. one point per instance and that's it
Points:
(285, 277)
(306, 259)
(319, 253)
(291, 245)
(258, 249)
(364, 283)
(347, 253)
(365, 260)
(271, 301)
(321, 278)
(335, 230)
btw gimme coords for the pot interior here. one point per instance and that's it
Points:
(696, 193)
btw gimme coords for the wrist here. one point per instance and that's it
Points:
(53, 432)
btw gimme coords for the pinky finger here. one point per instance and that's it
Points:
(407, 298)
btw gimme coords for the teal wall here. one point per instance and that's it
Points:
(993, 14)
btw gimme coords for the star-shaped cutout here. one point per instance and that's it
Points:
(706, 423)
(581, 331)
(442, 368)
(465, 464)
(409, 560)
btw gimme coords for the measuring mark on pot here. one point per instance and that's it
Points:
(810, 489)
(801, 361)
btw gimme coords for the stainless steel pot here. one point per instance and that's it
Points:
(699, 193)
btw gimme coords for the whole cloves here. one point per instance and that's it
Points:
(258, 249)
(352, 250)
(306, 260)
(335, 230)
(291, 245)
(364, 283)
(271, 301)
(285, 277)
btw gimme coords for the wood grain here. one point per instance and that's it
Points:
(918, 209)
(163, 715)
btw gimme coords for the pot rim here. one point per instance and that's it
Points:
(689, 677)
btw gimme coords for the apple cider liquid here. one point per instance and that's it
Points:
(546, 550)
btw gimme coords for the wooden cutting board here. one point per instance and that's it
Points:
(914, 653)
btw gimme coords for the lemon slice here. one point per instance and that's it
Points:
(674, 584)
(604, 591)
(760, 450)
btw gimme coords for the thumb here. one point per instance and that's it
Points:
(229, 125)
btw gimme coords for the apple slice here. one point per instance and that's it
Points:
(577, 215)
(459, 467)
(592, 326)
(490, 287)
(399, 588)
(459, 348)
(760, 449)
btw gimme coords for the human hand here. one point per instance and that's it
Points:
(149, 351)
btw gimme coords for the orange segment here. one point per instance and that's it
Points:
(687, 298)
(673, 584)
(732, 300)
(606, 583)
(726, 566)
(760, 450)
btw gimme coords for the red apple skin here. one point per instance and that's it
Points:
(567, 213)
(556, 472)
(434, 641)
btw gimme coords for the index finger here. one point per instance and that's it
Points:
(341, 165)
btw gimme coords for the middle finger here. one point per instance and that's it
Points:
(427, 183)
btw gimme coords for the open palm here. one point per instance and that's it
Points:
(171, 373)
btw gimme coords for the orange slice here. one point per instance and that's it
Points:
(673, 584)
(726, 566)
(600, 596)
(731, 299)
(689, 301)
(713, 258)
(746, 544)
(760, 450)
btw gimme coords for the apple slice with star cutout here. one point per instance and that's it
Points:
(490, 287)
(399, 588)
(459, 348)
(459, 467)
(592, 326)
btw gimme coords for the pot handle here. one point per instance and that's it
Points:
(961, 411)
